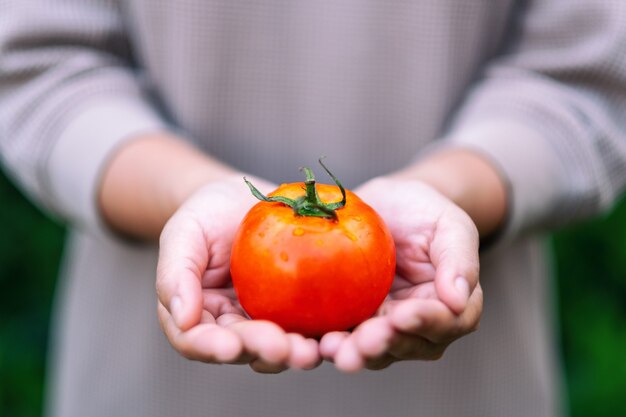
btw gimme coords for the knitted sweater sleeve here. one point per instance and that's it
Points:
(550, 112)
(69, 95)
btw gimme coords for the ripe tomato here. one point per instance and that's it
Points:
(315, 273)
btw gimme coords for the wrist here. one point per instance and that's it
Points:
(148, 178)
(469, 180)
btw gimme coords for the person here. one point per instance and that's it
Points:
(461, 123)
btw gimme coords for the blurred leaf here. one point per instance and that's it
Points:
(30, 250)
(591, 263)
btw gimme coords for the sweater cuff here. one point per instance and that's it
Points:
(528, 165)
(76, 162)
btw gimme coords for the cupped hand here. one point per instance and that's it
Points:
(197, 306)
(435, 298)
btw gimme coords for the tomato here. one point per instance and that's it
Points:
(314, 273)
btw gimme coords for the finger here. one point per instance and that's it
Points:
(381, 345)
(373, 337)
(454, 253)
(182, 260)
(329, 344)
(434, 321)
(427, 318)
(414, 319)
(263, 367)
(380, 362)
(262, 339)
(411, 347)
(348, 359)
(205, 342)
(440, 325)
(304, 353)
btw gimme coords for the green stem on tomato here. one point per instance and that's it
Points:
(310, 203)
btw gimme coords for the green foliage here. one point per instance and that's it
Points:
(591, 263)
(30, 249)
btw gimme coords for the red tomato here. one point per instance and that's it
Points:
(308, 274)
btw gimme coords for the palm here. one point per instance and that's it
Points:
(436, 243)
(198, 308)
(428, 230)
(415, 271)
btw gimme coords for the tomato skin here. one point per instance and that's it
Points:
(312, 275)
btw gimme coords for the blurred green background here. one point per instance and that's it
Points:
(591, 264)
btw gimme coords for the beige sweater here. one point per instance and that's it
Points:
(269, 85)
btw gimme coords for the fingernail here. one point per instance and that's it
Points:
(176, 306)
(462, 287)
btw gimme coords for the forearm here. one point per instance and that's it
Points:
(469, 180)
(148, 178)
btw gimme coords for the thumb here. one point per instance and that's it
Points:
(454, 253)
(179, 271)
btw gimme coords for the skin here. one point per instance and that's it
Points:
(435, 298)
(437, 210)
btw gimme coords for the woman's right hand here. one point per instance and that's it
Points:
(197, 305)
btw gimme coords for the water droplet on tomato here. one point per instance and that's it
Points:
(357, 218)
(298, 231)
(351, 236)
(284, 256)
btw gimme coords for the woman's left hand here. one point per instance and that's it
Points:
(436, 297)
